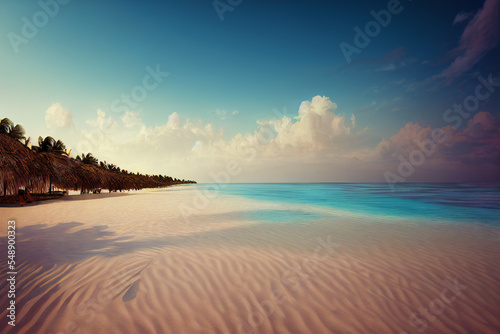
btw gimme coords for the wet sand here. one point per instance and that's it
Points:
(133, 263)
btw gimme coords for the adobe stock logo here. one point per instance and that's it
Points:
(372, 29)
(225, 6)
(454, 116)
(29, 29)
(128, 102)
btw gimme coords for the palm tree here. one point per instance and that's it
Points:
(113, 168)
(59, 148)
(50, 145)
(6, 126)
(88, 159)
(16, 132)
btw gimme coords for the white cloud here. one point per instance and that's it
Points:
(236, 112)
(131, 119)
(317, 129)
(173, 121)
(101, 122)
(317, 143)
(58, 117)
(192, 149)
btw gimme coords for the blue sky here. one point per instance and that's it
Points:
(260, 57)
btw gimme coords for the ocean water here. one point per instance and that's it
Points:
(447, 202)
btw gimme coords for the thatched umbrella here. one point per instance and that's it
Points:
(17, 164)
(22, 167)
(91, 176)
(58, 170)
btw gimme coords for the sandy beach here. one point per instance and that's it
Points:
(133, 263)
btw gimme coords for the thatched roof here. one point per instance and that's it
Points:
(22, 167)
(58, 170)
(17, 163)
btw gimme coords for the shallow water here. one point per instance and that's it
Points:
(450, 202)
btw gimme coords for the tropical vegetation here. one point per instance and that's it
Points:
(39, 168)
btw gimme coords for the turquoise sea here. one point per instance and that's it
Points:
(447, 202)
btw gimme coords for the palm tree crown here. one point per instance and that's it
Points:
(17, 132)
(88, 159)
(49, 144)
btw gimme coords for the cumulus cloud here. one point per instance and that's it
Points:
(317, 128)
(475, 147)
(481, 35)
(190, 147)
(316, 143)
(173, 121)
(102, 122)
(131, 119)
(58, 117)
(477, 143)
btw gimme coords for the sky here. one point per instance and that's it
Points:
(259, 91)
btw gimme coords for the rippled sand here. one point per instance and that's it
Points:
(133, 263)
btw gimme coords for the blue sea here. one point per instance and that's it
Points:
(447, 202)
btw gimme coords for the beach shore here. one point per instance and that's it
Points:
(149, 262)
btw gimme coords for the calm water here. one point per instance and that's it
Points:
(426, 201)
